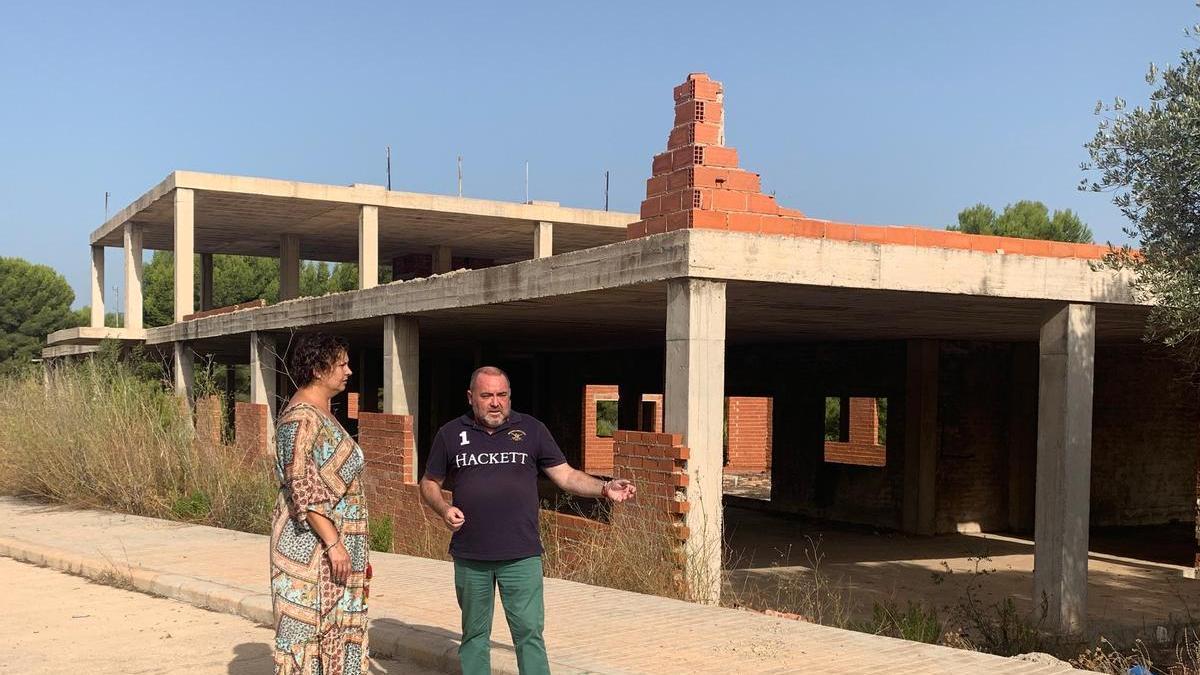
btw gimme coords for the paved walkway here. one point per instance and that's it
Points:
(42, 605)
(414, 615)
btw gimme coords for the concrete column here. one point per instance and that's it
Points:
(289, 266)
(133, 275)
(694, 399)
(921, 437)
(206, 281)
(185, 248)
(1064, 458)
(262, 374)
(97, 320)
(442, 261)
(183, 371)
(368, 246)
(543, 240)
(401, 366)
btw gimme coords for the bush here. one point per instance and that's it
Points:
(102, 434)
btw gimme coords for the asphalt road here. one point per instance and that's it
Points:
(52, 622)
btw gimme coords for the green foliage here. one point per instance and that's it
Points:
(196, 505)
(915, 622)
(382, 533)
(606, 418)
(83, 317)
(1148, 158)
(34, 301)
(833, 418)
(1024, 219)
(881, 405)
(158, 288)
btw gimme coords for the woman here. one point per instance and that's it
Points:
(319, 526)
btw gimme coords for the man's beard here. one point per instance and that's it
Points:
(485, 421)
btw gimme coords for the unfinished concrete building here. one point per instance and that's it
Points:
(1020, 395)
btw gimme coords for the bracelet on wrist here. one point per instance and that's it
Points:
(329, 547)
(604, 488)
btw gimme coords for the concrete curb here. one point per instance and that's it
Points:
(402, 642)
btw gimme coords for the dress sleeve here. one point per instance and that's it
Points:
(306, 491)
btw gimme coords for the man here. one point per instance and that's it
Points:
(492, 455)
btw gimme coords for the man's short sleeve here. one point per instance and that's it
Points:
(549, 454)
(437, 465)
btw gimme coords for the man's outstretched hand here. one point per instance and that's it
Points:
(619, 490)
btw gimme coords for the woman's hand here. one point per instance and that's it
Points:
(339, 562)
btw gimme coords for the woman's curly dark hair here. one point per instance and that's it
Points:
(312, 353)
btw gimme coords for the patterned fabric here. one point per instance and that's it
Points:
(320, 626)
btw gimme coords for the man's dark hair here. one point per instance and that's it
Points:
(487, 370)
(314, 352)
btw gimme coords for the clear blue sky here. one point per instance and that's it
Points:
(872, 112)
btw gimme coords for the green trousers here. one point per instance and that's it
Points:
(520, 583)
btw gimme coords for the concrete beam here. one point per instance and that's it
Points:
(1064, 457)
(921, 437)
(401, 367)
(543, 240)
(368, 247)
(133, 276)
(97, 318)
(289, 266)
(185, 248)
(206, 281)
(694, 406)
(443, 261)
(737, 256)
(183, 371)
(263, 360)
(636, 262)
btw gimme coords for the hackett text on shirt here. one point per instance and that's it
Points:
(477, 458)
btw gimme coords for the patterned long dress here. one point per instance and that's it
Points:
(320, 626)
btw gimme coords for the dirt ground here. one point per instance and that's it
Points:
(57, 623)
(1126, 595)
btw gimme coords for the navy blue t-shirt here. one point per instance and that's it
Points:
(495, 483)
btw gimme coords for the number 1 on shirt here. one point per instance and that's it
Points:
(463, 436)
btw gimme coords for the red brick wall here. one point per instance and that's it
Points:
(597, 451)
(655, 423)
(251, 428)
(209, 421)
(657, 464)
(748, 427)
(863, 448)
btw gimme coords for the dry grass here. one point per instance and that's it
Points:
(638, 552)
(100, 435)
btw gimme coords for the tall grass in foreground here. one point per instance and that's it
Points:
(99, 435)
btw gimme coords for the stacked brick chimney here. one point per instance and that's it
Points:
(696, 183)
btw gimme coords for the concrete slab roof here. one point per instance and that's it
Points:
(246, 216)
(780, 288)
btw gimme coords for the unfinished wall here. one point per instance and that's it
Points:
(597, 450)
(862, 446)
(251, 428)
(972, 462)
(1145, 438)
(748, 434)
